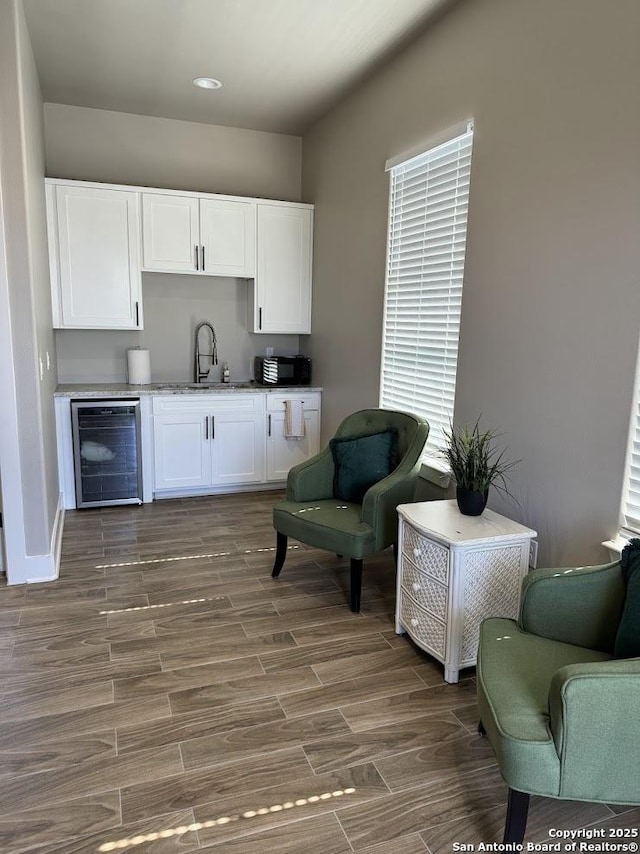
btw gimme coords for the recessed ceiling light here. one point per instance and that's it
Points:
(207, 82)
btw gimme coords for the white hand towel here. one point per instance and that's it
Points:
(293, 419)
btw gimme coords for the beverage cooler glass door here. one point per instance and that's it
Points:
(106, 452)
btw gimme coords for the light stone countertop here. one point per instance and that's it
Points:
(91, 390)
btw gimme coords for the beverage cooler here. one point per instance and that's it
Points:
(106, 452)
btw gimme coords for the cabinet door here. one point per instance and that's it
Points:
(170, 233)
(228, 238)
(283, 272)
(284, 453)
(99, 281)
(238, 447)
(182, 451)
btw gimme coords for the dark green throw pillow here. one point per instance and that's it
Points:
(361, 461)
(628, 638)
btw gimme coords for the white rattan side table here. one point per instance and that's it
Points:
(453, 571)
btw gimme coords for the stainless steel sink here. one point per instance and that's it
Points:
(224, 385)
(214, 386)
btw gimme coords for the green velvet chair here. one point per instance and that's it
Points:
(313, 516)
(561, 713)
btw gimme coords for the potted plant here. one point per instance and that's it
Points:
(476, 465)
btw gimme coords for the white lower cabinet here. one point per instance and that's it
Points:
(206, 443)
(182, 451)
(237, 448)
(211, 441)
(282, 452)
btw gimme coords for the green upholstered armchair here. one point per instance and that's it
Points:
(313, 516)
(560, 712)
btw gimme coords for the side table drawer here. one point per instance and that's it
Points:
(426, 591)
(425, 554)
(426, 629)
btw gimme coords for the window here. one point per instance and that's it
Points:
(425, 267)
(631, 492)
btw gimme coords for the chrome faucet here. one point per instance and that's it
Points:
(198, 374)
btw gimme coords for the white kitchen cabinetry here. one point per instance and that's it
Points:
(102, 237)
(187, 234)
(94, 238)
(283, 452)
(203, 442)
(453, 571)
(282, 290)
(170, 233)
(238, 448)
(182, 451)
(228, 238)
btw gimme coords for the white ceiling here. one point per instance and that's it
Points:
(282, 62)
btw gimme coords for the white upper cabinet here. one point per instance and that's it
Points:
(185, 234)
(102, 237)
(282, 293)
(228, 238)
(170, 233)
(94, 238)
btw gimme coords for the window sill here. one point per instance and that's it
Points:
(616, 545)
(436, 472)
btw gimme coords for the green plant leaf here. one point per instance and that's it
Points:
(475, 462)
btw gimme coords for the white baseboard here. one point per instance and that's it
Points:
(40, 568)
(194, 492)
(56, 534)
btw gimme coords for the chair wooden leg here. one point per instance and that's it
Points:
(517, 810)
(281, 553)
(356, 584)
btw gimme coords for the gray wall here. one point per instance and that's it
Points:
(173, 305)
(551, 305)
(27, 398)
(121, 148)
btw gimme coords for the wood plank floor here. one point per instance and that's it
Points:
(166, 695)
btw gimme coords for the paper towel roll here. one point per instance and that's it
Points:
(139, 366)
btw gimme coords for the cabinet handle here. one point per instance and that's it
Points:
(269, 424)
(137, 314)
(206, 427)
(213, 427)
(195, 252)
(202, 247)
(415, 623)
(416, 586)
(260, 318)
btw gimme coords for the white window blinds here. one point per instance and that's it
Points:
(631, 497)
(425, 267)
